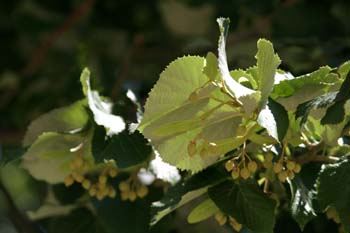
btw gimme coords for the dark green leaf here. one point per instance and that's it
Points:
(126, 149)
(124, 216)
(322, 101)
(246, 203)
(78, 221)
(68, 195)
(333, 189)
(344, 93)
(334, 114)
(210, 176)
(281, 117)
(301, 204)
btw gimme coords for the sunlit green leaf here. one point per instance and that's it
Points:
(49, 156)
(211, 66)
(172, 120)
(62, 120)
(267, 63)
(202, 211)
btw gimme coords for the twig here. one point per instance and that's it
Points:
(40, 53)
(22, 223)
(313, 156)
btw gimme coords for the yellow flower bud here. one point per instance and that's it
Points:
(290, 165)
(229, 165)
(142, 191)
(245, 173)
(282, 176)
(113, 172)
(132, 196)
(86, 184)
(252, 166)
(112, 193)
(297, 168)
(102, 179)
(277, 168)
(79, 178)
(235, 172)
(290, 175)
(124, 196)
(68, 181)
(100, 195)
(105, 191)
(92, 191)
(124, 186)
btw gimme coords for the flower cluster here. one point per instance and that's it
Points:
(241, 166)
(132, 188)
(99, 188)
(284, 168)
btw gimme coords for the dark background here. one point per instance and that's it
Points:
(44, 45)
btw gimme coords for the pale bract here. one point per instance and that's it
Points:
(101, 109)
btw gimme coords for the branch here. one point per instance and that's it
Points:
(40, 53)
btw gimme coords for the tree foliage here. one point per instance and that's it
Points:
(238, 141)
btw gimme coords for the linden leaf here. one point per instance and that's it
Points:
(49, 156)
(267, 63)
(62, 120)
(211, 66)
(333, 186)
(247, 97)
(336, 112)
(187, 190)
(274, 118)
(101, 109)
(246, 203)
(204, 210)
(344, 69)
(184, 107)
(293, 91)
(127, 149)
(244, 77)
(302, 209)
